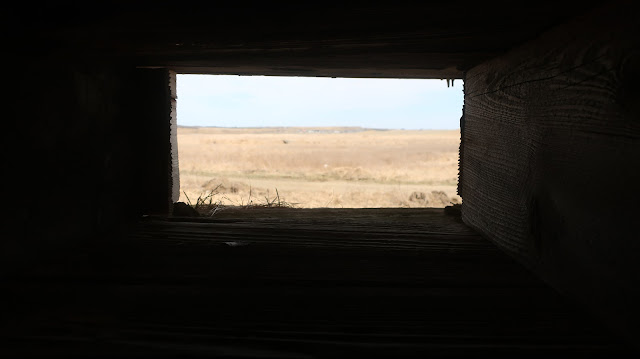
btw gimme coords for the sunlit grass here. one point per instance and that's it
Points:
(353, 169)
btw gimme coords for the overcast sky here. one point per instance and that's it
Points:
(266, 101)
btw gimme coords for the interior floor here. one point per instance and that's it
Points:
(293, 283)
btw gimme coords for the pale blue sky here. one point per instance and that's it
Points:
(269, 101)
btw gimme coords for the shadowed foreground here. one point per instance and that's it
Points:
(283, 283)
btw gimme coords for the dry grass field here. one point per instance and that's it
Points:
(337, 167)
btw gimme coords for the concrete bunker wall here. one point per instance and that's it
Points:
(88, 153)
(547, 127)
(551, 137)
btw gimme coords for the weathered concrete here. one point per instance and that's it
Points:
(551, 137)
(89, 141)
(277, 282)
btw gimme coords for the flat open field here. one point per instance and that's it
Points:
(337, 167)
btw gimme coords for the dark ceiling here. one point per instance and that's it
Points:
(367, 39)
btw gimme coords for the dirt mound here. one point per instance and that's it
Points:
(181, 209)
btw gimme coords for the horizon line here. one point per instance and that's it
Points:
(360, 127)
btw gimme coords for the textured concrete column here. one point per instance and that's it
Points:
(550, 159)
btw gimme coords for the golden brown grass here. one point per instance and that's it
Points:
(319, 167)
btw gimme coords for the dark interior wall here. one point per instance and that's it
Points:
(152, 122)
(69, 119)
(307, 38)
(87, 153)
(551, 157)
